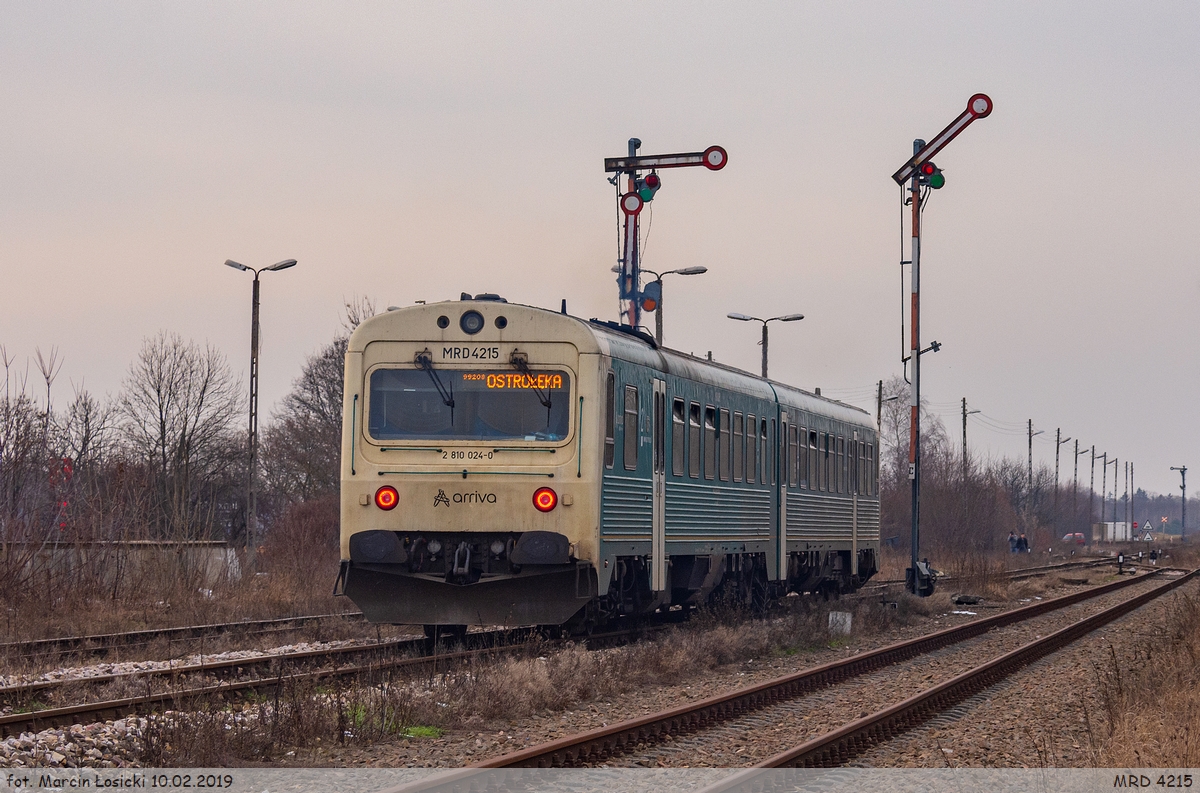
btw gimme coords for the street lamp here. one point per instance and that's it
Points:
(251, 505)
(658, 310)
(784, 318)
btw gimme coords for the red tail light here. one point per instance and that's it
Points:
(545, 499)
(386, 497)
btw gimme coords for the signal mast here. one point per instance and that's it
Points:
(640, 191)
(920, 173)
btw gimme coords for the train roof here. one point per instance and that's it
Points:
(609, 338)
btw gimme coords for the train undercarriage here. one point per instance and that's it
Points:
(533, 578)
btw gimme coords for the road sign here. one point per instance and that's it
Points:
(1135, 524)
(1147, 538)
(978, 106)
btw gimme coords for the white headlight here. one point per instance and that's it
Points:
(435, 546)
(497, 546)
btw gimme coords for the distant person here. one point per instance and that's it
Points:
(1154, 557)
(1022, 544)
(1012, 542)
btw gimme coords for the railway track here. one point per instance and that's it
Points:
(1012, 575)
(487, 643)
(99, 644)
(600, 745)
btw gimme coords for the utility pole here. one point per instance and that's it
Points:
(1182, 469)
(965, 413)
(640, 191)
(1058, 442)
(917, 174)
(1075, 485)
(1029, 508)
(879, 407)
(1092, 492)
(1103, 486)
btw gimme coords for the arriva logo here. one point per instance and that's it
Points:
(463, 498)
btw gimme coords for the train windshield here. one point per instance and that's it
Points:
(449, 404)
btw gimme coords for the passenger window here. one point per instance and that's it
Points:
(841, 464)
(768, 451)
(872, 479)
(631, 428)
(739, 447)
(751, 447)
(678, 437)
(813, 463)
(694, 441)
(610, 410)
(710, 442)
(802, 457)
(725, 436)
(793, 469)
(824, 454)
(764, 453)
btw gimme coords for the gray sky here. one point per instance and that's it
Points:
(410, 152)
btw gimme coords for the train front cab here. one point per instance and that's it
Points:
(488, 509)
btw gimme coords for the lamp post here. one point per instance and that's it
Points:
(658, 309)
(251, 506)
(784, 318)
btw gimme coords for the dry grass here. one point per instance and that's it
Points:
(491, 690)
(1150, 697)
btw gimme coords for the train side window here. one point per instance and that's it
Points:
(793, 454)
(694, 441)
(726, 436)
(872, 471)
(610, 410)
(751, 447)
(678, 436)
(823, 453)
(631, 428)
(802, 457)
(710, 442)
(814, 464)
(841, 464)
(852, 465)
(739, 446)
(769, 444)
(764, 452)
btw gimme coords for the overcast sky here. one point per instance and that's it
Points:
(411, 152)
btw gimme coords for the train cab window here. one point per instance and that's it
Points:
(610, 410)
(739, 447)
(792, 469)
(726, 436)
(678, 437)
(710, 442)
(631, 428)
(751, 447)
(694, 441)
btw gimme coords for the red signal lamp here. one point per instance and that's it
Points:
(387, 497)
(931, 175)
(545, 499)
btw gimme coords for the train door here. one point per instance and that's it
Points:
(658, 544)
(780, 572)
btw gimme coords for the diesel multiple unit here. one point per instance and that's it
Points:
(508, 465)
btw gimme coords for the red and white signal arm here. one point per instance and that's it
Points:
(715, 158)
(631, 203)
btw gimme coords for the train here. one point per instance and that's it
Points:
(509, 465)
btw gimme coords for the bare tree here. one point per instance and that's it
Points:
(178, 405)
(302, 447)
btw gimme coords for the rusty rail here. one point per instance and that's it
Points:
(597, 745)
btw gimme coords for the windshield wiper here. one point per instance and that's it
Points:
(520, 362)
(425, 361)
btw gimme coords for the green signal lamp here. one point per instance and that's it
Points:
(648, 186)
